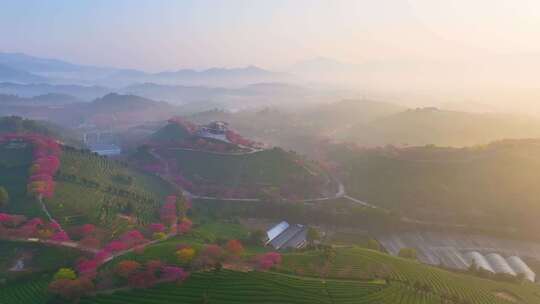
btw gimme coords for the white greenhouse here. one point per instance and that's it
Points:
(499, 264)
(519, 266)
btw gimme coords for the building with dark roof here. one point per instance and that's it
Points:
(284, 235)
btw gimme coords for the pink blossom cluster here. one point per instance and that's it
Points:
(184, 226)
(88, 267)
(60, 236)
(4, 217)
(116, 246)
(183, 182)
(156, 227)
(18, 226)
(87, 229)
(173, 274)
(29, 228)
(132, 238)
(213, 252)
(126, 241)
(168, 212)
(268, 260)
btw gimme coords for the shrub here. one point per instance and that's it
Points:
(115, 246)
(142, 279)
(65, 274)
(235, 248)
(4, 197)
(268, 260)
(373, 245)
(71, 289)
(408, 253)
(157, 227)
(173, 273)
(185, 255)
(60, 236)
(125, 268)
(159, 236)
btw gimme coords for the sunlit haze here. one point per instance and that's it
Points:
(161, 35)
(269, 151)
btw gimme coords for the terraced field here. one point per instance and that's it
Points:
(359, 263)
(348, 278)
(91, 189)
(257, 287)
(239, 287)
(26, 292)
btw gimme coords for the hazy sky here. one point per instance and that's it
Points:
(159, 34)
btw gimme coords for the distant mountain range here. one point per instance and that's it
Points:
(111, 110)
(25, 69)
(10, 74)
(194, 98)
(39, 100)
(86, 93)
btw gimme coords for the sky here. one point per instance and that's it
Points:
(157, 35)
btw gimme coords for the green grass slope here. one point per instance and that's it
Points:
(268, 168)
(251, 287)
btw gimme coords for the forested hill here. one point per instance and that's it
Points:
(494, 185)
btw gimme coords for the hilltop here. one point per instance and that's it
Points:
(214, 160)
